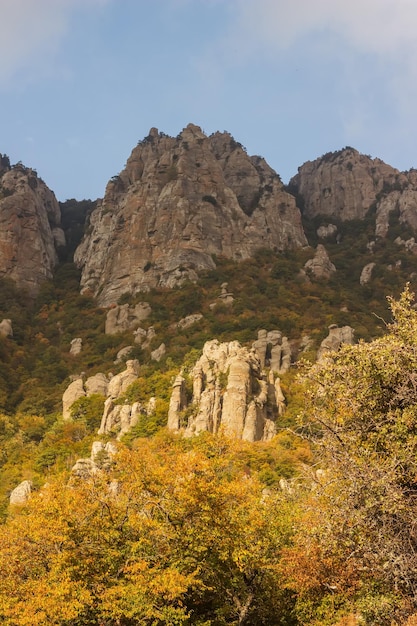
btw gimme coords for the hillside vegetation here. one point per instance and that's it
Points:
(313, 527)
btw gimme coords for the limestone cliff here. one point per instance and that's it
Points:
(231, 394)
(30, 229)
(346, 184)
(178, 202)
(342, 184)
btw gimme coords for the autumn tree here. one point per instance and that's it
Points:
(357, 542)
(178, 532)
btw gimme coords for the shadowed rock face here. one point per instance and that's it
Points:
(178, 202)
(29, 227)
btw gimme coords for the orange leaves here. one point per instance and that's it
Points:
(177, 526)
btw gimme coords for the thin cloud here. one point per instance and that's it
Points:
(376, 26)
(31, 32)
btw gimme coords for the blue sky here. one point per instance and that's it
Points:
(82, 81)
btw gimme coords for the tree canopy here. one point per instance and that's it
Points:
(357, 534)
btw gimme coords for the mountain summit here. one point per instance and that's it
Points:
(179, 202)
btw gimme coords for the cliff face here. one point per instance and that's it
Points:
(344, 185)
(29, 227)
(232, 393)
(178, 202)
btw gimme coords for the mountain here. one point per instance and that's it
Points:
(178, 203)
(30, 231)
(160, 381)
(347, 185)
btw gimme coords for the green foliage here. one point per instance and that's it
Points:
(362, 413)
(88, 409)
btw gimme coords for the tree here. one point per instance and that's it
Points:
(357, 541)
(178, 532)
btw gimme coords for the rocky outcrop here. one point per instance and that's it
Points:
(101, 458)
(336, 337)
(6, 329)
(30, 230)
(366, 273)
(178, 202)
(76, 346)
(327, 231)
(159, 353)
(346, 185)
(342, 184)
(273, 351)
(124, 317)
(21, 493)
(118, 418)
(225, 297)
(188, 321)
(409, 244)
(320, 265)
(97, 384)
(230, 394)
(73, 392)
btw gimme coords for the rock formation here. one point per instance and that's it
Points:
(230, 394)
(97, 384)
(156, 355)
(6, 329)
(326, 232)
(188, 321)
(178, 202)
(21, 493)
(336, 337)
(346, 185)
(100, 459)
(273, 350)
(320, 265)
(225, 297)
(120, 418)
(124, 317)
(366, 273)
(73, 392)
(76, 346)
(30, 229)
(341, 184)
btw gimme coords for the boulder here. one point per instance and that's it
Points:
(21, 493)
(6, 329)
(97, 384)
(188, 321)
(124, 317)
(73, 392)
(76, 346)
(320, 265)
(156, 355)
(326, 232)
(366, 273)
(336, 337)
(123, 353)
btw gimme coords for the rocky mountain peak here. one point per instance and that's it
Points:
(342, 184)
(30, 229)
(178, 202)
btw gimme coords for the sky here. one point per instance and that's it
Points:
(82, 81)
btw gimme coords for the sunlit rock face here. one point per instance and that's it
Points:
(348, 185)
(231, 395)
(179, 201)
(30, 232)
